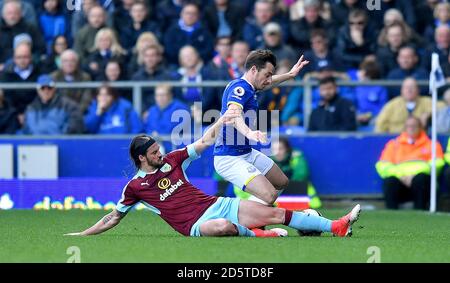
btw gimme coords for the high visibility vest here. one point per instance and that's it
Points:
(447, 152)
(401, 158)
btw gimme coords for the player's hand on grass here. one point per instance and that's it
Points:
(74, 234)
(298, 66)
(257, 136)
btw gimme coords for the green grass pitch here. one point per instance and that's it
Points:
(37, 236)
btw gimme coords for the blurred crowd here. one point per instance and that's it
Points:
(53, 41)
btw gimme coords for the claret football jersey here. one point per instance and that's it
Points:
(168, 192)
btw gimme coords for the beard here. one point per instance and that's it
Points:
(155, 164)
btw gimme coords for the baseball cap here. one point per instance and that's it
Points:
(45, 80)
(272, 28)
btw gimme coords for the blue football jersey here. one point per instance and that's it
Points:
(230, 141)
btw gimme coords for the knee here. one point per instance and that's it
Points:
(225, 228)
(272, 196)
(284, 182)
(278, 215)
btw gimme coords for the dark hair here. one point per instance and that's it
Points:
(191, 3)
(219, 38)
(115, 61)
(408, 46)
(53, 51)
(356, 13)
(327, 80)
(59, 8)
(259, 58)
(111, 91)
(318, 33)
(136, 148)
(371, 68)
(140, 2)
(143, 4)
(284, 141)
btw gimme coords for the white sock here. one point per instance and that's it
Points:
(253, 198)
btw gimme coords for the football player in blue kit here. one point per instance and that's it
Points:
(234, 157)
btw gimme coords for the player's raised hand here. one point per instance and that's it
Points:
(298, 66)
(257, 136)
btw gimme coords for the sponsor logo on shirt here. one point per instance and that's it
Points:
(169, 190)
(251, 169)
(163, 184)
(166, 168)
(146, 183)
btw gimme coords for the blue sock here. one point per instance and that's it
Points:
(244, 231)
(304, 221)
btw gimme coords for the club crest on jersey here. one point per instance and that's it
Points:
(239, 91)
(166, 168)
(251, 169)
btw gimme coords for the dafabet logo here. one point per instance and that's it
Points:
(163, 184)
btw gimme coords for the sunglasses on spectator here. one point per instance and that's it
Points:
(47, 88)
(357, 23)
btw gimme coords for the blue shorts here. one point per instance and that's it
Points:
(224, 207)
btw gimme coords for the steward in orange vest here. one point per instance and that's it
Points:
(405, 166)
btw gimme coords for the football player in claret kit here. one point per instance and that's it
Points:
(162, 185)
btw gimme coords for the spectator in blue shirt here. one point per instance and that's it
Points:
(369, 99)
(111, 114)
(253, 28)
(408, 63)
(51, 113)
(188, 31)
(168, 12)
(320, 54)
(158, 121)
(152, 70)
(441, 15)
(53, 22)
(140, 23)
(192, 70)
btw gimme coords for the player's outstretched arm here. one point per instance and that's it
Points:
(107, 222)
(277, 79)
(210, 135)
(241, 127)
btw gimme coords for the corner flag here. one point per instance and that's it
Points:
(437, 80)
